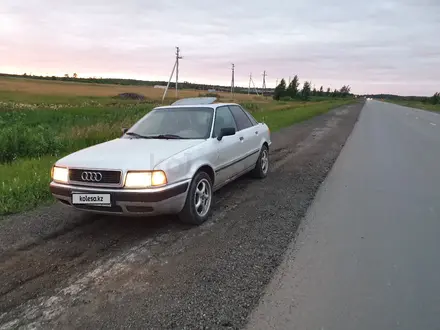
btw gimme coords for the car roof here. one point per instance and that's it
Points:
(195, 100)
(213, 106)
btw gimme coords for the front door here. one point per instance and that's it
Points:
(229, 148)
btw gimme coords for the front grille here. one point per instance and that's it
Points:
(108, 177)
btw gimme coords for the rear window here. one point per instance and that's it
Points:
(241, 118)
(252, 119)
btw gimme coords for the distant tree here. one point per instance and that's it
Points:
(328, 93)
(306, 91)
(345, 90)
(75, 75)
(66, 75)
(25, 74)
(292, 90)
(280, 90)
(321, 91)
(335, 93)
(314, 92)
(435, 99)
(54, 78)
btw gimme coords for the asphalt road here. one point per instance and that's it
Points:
(367, 256)
(62, 269)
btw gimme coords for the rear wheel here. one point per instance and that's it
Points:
(262, 166)
(197, 207)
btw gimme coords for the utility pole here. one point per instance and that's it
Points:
(252, 81)
(232, 81)
(178, 57)
(176, 65)
(264, 82)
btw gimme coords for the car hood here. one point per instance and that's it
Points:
(127, 154)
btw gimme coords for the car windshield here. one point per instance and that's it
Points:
(176, 122)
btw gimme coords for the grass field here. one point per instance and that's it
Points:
(41, 121)
(33, 90)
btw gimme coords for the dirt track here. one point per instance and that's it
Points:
(60, 268)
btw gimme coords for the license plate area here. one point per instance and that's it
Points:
(91, 199)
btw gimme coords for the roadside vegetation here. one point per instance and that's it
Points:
(38, 128)
(420, 102)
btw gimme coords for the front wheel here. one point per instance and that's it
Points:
(197, 207)
(262, 166)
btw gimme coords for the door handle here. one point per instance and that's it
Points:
(241, 138)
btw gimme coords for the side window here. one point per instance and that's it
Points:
(223, 118)
(252, 119)
(241, 118)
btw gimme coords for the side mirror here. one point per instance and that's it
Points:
(124, 130)
(226, 131)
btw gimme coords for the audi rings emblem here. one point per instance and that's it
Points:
(91, 176)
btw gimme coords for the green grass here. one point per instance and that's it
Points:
(287, 117)
(40, 132)
(34, 135)
(417, 104)
(24, 184)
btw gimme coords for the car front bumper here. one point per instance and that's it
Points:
(130, 202)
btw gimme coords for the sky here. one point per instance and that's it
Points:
(375, 46)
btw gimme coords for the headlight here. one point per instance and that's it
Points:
(145, 179)
(60, 174)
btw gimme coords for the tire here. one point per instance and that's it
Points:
(262, 166)
(190, 214)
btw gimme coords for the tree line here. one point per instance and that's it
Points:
(292, 91)
(435, 99)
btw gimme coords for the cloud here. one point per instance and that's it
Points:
(375, 46)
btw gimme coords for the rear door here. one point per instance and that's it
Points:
(248, 131)
(229, 148)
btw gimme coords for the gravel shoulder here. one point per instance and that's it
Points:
(60, 268)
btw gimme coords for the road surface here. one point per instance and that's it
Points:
(61, 269)
(368, 254)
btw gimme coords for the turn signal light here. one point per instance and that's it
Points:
(158, 178)
(60, 174)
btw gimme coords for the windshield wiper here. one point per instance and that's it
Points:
(165, 136)
(160, 136)
(137, 135)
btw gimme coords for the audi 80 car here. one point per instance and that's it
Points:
(169, 162)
